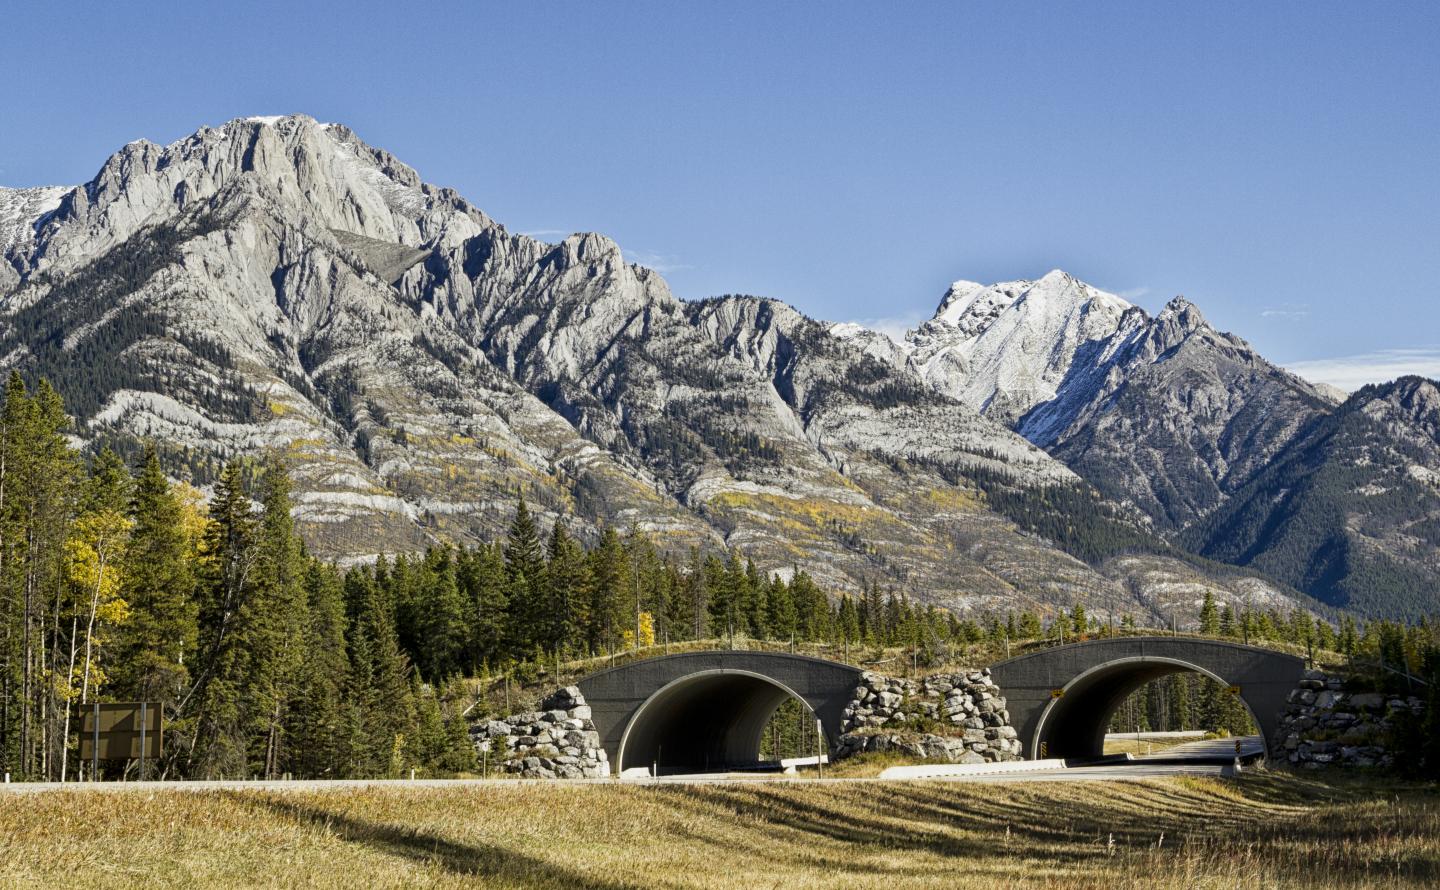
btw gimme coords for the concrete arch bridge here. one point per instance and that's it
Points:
(701, 711)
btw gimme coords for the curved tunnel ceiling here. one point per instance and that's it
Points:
(1074, 725)
(706, 721)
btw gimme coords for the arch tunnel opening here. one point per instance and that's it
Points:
(1075, 725)
(709, 722)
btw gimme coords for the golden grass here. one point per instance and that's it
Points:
(1264, 830)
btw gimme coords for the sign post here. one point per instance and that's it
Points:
(121, 731)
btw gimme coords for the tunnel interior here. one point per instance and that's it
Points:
(705, 722)
(1074, 727)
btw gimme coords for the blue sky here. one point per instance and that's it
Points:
(1275, 162)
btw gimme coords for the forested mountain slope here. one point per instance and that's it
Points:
(277, 283)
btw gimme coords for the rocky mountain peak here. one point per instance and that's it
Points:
(1005, 348)
(1177, 321)
(324, 171)
(1412, 400)
(276, 282)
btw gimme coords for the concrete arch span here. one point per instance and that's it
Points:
(1060, 699)
(707, 710)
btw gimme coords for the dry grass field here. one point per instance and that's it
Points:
(1270, 830)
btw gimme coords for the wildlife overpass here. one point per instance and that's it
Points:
(705, 711)
(1060, 699)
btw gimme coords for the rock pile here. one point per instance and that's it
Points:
(556, 742)
(957, 718)
(1325, 724)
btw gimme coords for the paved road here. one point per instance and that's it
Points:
(1213, 757)
(1251, 746)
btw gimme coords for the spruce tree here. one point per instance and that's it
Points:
(273, 620)
(317, 727)
(442, 618)
(567, 593)
(483, 583)
(1209, 616)
(158, 641)
(780, 605)
(609, 578)
(384, 720)
(219, 746)
(525, 569)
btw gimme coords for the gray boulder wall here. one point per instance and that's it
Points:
(556, 742)
(1327, 724)
(952, 718)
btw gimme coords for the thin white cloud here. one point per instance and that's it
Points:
(1289, 311)
(895, 326)
(546, 234)
(662, 263)
(1351, 372)
(1134, 293)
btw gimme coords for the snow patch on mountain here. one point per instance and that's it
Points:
(22, 210)
(1005, 348)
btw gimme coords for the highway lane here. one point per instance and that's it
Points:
(1211, 757)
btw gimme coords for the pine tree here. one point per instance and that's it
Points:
(724, 597)
(567, 594)
(159, 639)
(697, 597)
(317, 725)
(780, 604)
(40, 471)
(1209, 616)
(1349, 639)
(483, 582)
(752, 602)
(609, 579)
(219, 746)
(442, 618)
(873, 615)
(1227, 622)
(273, 616)
(384, 717)
(525, 569)
(849, 620)
(1180, 708)
(109, 486)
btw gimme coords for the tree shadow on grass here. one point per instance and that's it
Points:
(872, 818)
(1071, 832)
(425, 848)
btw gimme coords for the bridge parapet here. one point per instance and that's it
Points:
(706, 710)
(1061, 698)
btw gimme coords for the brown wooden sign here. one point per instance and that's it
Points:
(121, 731)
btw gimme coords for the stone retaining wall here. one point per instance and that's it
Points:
(556, 742)
(1326, 725)
(954, 718)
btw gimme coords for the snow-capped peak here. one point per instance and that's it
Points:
(1005, 347)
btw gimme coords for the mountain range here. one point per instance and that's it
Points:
(278, 283)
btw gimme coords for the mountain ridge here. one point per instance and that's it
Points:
(278, 283)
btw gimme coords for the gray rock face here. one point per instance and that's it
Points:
(1174, 417)
(1165, 413)
(1347, 511)
(953, 718)
(286, 285)
(1217, 449)
(1324, 725)
(559, 742)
